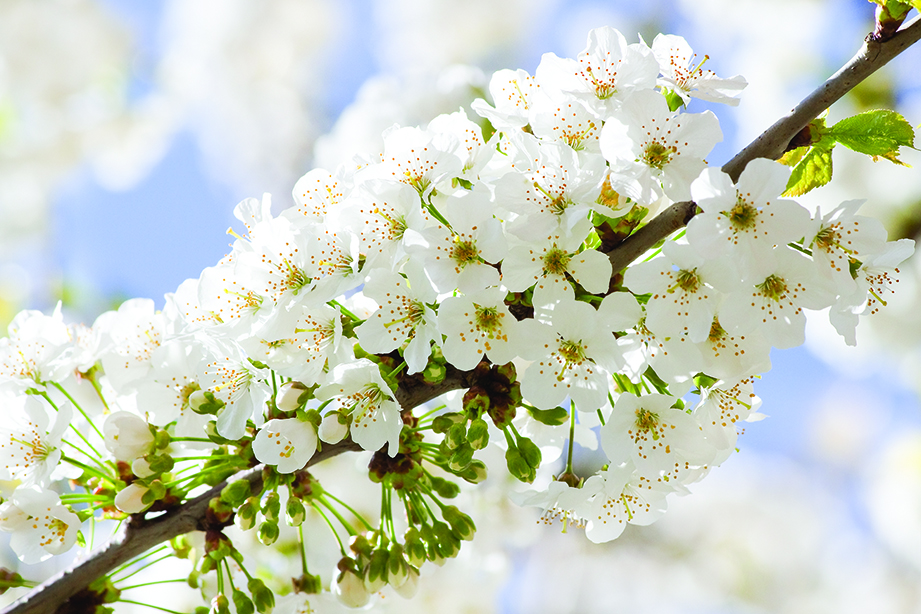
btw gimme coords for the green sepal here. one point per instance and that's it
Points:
(550, 417)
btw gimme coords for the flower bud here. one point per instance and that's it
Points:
(456, 435)
(307, 583)
(130, 499)
(127, 436)
(235, 493)
(461, 523)
(475, 472)
(414, 547)
(220, 604)
(407, 590)
(263, 597)
(397, 567)
(376, 570)
(271, 508)
(442, 423)
(348, 587)
(141, 468)
(246, 515)
(268, 533)
(478, 434)
(333, 429)
(295, 512)
(530, 452)
(204, 402)
(242, 602)
(289, 396)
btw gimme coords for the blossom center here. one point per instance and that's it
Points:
(773, 287)
(743, 214)
(556, 261)
(464, 252)
(647, 421)
(688, 281)
(657, 155)
(572, 351)
(488, 319)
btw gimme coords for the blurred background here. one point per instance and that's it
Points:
(129, 130)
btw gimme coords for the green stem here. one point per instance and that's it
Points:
(572, 435)
(80, 409)
(349, 508)
(147, 605)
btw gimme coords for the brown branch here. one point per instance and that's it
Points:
(141, 534)
(773, 142)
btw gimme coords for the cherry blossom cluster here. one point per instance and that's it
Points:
(475, 254)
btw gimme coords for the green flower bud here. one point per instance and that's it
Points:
(204, 402)
(462, 457)
(461, 523)
(397, 567)
(376, 570)
(442, 423)
(307, 583)
(271, 507)
(242, 602)
(478, 434)
(475, 472)
(194, 579)
(295, 512)
(517, 466)
(456, 435)
(161, 439)
(414, 547)
(246, 515)
(445, 488)
(530, 452)
(349, 588)
(268, 533)
(235, 493)
(220, 605)
(263, 597)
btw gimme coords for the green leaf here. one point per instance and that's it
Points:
(877, 133)
(550, 417)
(812, 171)
(895, 9)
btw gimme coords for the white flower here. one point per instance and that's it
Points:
(476, 324)
(359, 390)
(682, 300)
(841, 237)
(404, 315)
(40, 524)
(676, 63)
(288, 444)
(774, 304)
(664, 443)
(620, 496)
(29, 450)
(722, 406)
(653, 151)
(461, 256)
(604, 73)
(38, 350)
(233, 379)
(874, 280)
(512, 92)
(577, 354)
(547, 261)
(746, 220)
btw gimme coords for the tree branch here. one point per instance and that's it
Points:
(141, 534)
(773, 142)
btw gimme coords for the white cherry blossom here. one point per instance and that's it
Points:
(286, 443)
(358, 389)
(684, 74)
(653, 151)
(747, 219)
(40, 524)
